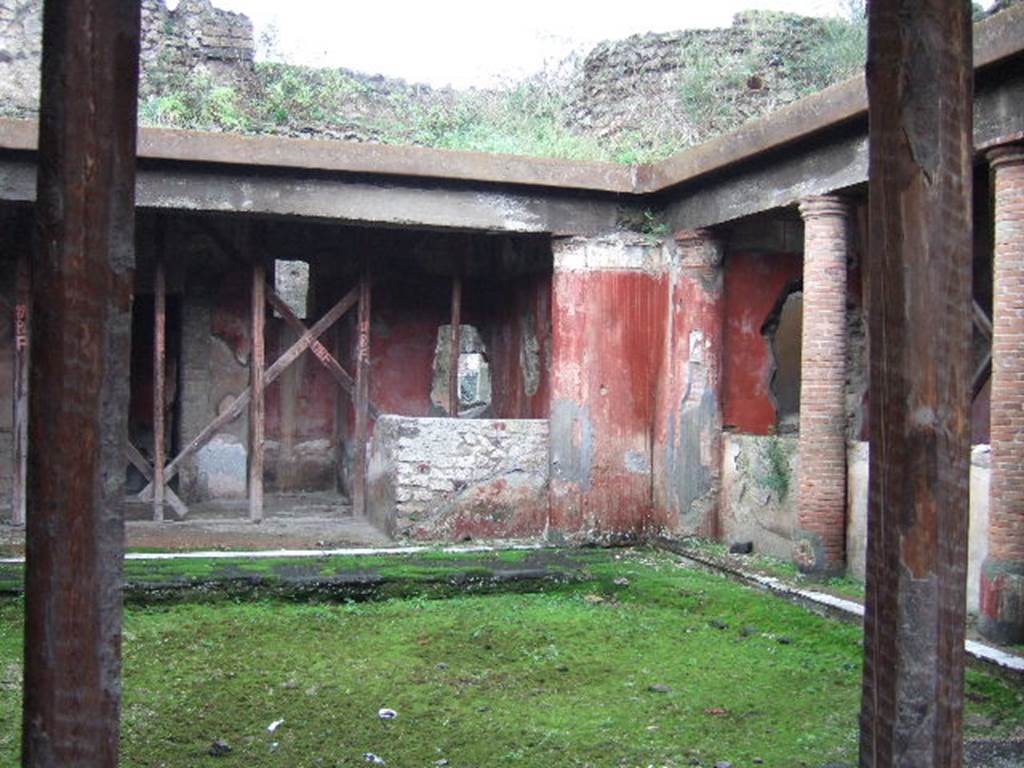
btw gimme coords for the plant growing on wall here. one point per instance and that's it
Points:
(773, 470)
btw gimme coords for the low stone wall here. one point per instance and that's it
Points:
(759, 500)
(450, 479)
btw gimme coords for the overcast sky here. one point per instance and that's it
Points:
(472, 42)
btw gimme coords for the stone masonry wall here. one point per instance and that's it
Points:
(437, 478)
(192, 35)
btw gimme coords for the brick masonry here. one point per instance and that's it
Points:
(1002, 577)
(820, 538)
(441, 478)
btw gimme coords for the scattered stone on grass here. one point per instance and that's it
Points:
(718, 624)
(741, 548)
(621, 582)
(386, 714)
(659, 688)
(219, 748)
(369, 757)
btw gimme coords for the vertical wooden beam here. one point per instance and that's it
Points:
(455, 343)
(82, 276)
(257, 405)
(362, 399)
(920, 98)
(22, 352)
(159, 368)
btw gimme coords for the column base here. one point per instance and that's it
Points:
(811, 558)
(1001, 614)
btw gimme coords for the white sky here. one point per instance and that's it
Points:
(474, 42)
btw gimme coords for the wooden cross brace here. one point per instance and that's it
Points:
(308, 339)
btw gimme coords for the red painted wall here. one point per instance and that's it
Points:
(753, 284)
(608, 336)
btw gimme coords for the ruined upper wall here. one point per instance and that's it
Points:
(193, 34)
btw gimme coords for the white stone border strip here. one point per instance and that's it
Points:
(314, 553)
(987, 654)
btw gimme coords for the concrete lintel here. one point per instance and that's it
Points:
(780, 179)
(360, 202)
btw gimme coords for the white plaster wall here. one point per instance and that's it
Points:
(750, 512)
(753, 510)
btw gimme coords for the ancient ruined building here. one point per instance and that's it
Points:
(454, 345)
(613, 382)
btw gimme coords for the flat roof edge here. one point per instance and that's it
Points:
(996, 38)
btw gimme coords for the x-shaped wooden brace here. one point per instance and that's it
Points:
(308, 339)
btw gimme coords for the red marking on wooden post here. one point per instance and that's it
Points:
(455, 339)
(82, 277)
(362, 396)
(920, 98)
(257, 405)
(22, 346)
(159, 384)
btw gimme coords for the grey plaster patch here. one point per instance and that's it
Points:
(529, 354)
(636, 462)
(572, 443)
(221, 465)
(692, 480)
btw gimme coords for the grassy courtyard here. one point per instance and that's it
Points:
(633, 659)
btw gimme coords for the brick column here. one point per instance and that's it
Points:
(820, 539)
(688, 416)
(1002, 574)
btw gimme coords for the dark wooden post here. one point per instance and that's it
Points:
(920, 97)
(81, 317)
(159, 385)
(455, 342)
(362, 399)
(257, 406)
(22, 351)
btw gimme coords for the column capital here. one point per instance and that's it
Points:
(698, 248)
(820, 206)
(1005, 154)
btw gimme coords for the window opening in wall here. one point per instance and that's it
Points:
(784, 330)
(474, 379)
(291, 283)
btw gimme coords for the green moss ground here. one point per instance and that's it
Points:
(556, 678)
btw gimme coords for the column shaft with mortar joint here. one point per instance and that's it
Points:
(820, 539)
(688, 419)
(1002, 575)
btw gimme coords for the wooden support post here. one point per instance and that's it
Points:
(239, 404)
(257, 407)
(454, 345)
(22, 351)
(159, 385)
(82, 277)
(920, 98)
(362, 398)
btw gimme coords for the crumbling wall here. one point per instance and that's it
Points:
(195, 34)
(451, 479)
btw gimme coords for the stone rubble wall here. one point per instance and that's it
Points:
(195, 34)
(439, 478)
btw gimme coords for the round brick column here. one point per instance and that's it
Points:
(819, 542)
(1002, 574)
